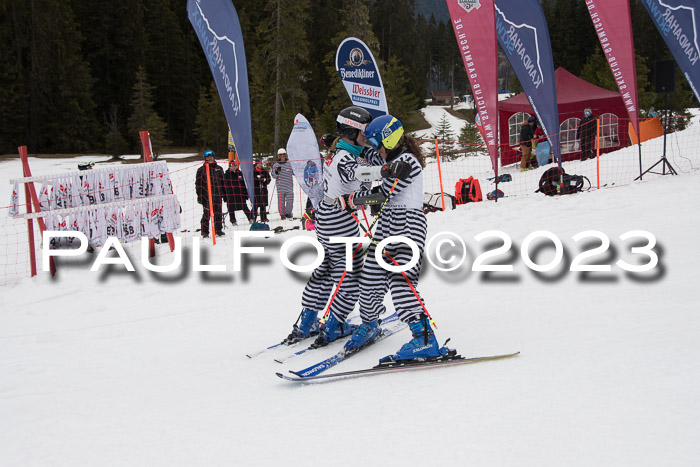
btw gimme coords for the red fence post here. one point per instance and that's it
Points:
(31, 191)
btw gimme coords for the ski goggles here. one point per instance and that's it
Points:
(208, 153)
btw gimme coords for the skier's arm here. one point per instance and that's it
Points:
(378, 194)
(392, 170)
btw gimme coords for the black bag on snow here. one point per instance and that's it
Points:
(555, 181)
(433, 202)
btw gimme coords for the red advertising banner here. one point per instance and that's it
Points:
(474, 24)
(613, 25)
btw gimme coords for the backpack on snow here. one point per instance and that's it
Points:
(468, 190)
(555, 181)
(433, 202)
(259, 226)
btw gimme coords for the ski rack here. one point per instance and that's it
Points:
(46, 178)
(96, 207)
(34, 210)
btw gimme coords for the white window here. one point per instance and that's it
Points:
(609, 135)
(568, 141)
(515, 123)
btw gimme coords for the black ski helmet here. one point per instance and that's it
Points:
(351, 121)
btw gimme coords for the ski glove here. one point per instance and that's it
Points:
(399, 169)
(393, 170)
(344, 203)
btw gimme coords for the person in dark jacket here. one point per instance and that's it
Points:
(216, 176)
(261, 177)
(527, 132)
(236, 195)
(585, 133)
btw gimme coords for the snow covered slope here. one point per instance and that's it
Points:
(116, 368)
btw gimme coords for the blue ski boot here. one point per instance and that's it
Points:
(331, 330)
(363, 336)
(306, 326)
(423, 346)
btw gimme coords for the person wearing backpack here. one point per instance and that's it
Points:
(527, 133)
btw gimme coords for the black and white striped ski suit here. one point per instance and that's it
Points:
(339, 179)
(402, 215)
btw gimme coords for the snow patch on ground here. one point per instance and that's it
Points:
(115, 368)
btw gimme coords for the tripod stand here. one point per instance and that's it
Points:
(665, 164)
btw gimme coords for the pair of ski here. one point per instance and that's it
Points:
(355, 321)
(390, 367)
(393, 318)
(313, 373)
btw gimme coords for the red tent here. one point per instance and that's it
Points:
(573, 96)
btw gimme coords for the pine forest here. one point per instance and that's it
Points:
(83, 76)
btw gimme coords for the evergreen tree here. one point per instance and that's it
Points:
(443, 130)
(281, 61)
(571, 33)
(165, 64)
(321, 31)
(444, 135)
(157, 131)
(202, 128)
(211, 129)
(115, 144)
(399, 97)
(454, 66)
(141, 104)
(196, 71)
(143, 117)
(14, 45)
(420, 63)
(61, 107)
(396, 26)
(470, 137)
(597, 71)
(115, 49)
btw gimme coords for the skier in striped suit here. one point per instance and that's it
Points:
(284, 176)
(344, 172)
(338, 179)
(402, 215)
